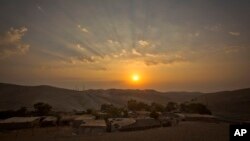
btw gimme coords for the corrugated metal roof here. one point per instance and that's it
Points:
(94, 123)
(19, 119)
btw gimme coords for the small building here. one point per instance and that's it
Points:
(117, 124)
(19, 122)
(79, 119)
(73, 120)
(165, 121)
(142, 114)
(199, 117)
(48, 121)
(92, 127)
(66, 120)
(101, 115)
(142, 123)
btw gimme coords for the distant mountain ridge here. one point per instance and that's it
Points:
(15, 96)
(227, 103)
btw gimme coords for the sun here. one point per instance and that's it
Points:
(135, 77)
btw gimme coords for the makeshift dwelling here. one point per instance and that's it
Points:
(199, 117)
(116, 124)
(19, 122)
(171, 119)
(182, 117)
(78, 120)
(66, 120)
(72, 119)
(165, 121)
(101, 115)
(49, 121)
(142, 114)
(92, 127)
(142, 123)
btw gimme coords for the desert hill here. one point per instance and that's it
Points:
(228, 104)
(15, 96)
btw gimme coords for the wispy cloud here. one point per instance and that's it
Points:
(83, 29)
(234, 33)
(113, 43)
(40, 8)
(11, 42)
(135, 52)
(143, 43)
(163, 59)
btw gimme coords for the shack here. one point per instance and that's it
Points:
(48, 121)
(199, 117)
(117, 124)
(92, 127)
(66, 120)
(78, 120)
(19, 123)
(142, 123)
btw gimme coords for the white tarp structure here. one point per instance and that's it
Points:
(49, 121)
(115, 124)
(92, 127)
(19, 122)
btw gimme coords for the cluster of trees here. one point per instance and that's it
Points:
(133, 105)
(113, 111)
(154, 108)
(43, 109)
(40, 109)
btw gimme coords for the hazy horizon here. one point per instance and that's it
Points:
(165, 45)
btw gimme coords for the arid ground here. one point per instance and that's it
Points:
(185, 131)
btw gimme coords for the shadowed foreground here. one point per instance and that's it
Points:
(193, 131)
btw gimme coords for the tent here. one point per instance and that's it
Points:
(19, 122)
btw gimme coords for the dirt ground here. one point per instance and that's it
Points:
(185, 131)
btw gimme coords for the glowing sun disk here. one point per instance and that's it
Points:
(135, 77)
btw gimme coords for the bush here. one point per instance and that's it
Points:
(171, 106)
(42, 109)
(156, 107)
(133, 105)
(113, 111)
(154, 115)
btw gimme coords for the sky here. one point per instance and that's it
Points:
(171, 45)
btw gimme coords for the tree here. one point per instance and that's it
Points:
(106, 107)
(154, 115)
(171, 106)
(113, 111)
(42, 109)
(89, 111)
(22, 111)
(133, 105)
(156, 107)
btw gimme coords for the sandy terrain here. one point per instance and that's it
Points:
(186, 131)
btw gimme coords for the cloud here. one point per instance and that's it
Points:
(234, 33)
(83, 29)
(40, 9)
(150, 55)
(136, 52)
(112, 42)
(82, 59)
(164, 60)
(79, 47)
(11, 43)
(213, 27)
(143, 43)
